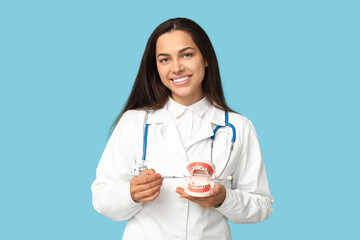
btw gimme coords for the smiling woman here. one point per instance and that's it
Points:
(170, 120)
(181, 66)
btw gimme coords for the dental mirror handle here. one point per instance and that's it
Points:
(229, 178)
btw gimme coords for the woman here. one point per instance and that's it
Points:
(178, 93)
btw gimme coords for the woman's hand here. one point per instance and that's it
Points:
(146, 188)
(217, 197)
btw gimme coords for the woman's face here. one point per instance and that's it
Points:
(181, 66)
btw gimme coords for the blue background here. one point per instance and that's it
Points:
(66, 68)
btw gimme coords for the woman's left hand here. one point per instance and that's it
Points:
(217, 197)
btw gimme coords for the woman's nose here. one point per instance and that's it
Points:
(178, 67)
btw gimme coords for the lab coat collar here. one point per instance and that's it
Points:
(176, 109)
(158, 116)
(215, 116)
(203, 108)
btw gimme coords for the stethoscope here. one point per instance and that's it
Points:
(142, 165)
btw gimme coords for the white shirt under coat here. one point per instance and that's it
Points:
(248, 198)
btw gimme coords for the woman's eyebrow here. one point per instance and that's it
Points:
(180, 51)
(185, 49)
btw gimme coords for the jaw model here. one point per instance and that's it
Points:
(200, 178)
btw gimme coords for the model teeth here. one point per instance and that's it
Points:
(199, 168)
(199, 186)
(199, 182)
(180, 79)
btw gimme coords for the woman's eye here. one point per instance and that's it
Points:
(164, 60)
(187, 55)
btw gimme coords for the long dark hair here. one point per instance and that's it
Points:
(149, 92)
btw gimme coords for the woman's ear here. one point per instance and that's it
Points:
(206, 64)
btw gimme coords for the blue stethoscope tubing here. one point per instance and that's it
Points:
(227, 124)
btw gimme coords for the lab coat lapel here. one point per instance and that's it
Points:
(209, 121)
(168, 131)
(171, 136)
(205, 131)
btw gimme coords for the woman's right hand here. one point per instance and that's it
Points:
(146, 188)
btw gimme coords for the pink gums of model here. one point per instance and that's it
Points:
(200, 178)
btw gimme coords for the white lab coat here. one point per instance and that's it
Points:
(248, 199)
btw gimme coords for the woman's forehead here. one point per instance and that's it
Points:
(174, 40)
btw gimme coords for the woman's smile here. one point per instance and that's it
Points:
(181, 80)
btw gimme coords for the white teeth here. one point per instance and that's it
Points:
(180, 79)
(198, 186)
(199, 168)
